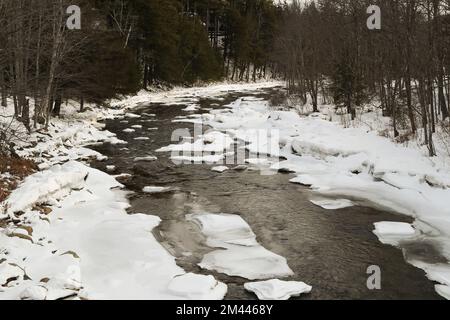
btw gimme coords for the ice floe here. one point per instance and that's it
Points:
(393, 232)
(145, 159)
(220, 169)
(239, 253)
(153, 190)
(197, 287)
(332, 204)
(277, 289)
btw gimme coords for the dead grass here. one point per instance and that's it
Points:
(18, 170)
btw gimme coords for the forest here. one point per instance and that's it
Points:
(124, 46)
(323, 49)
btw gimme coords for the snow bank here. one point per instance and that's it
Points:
(191, 96)
(89, 247)
(277, 289)
(67, 136)
(243, 255)
(46, 187)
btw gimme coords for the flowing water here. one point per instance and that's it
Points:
(330, 250)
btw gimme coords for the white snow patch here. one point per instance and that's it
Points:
(220, 169)
(153, 190)
(394, 232)
(145, 159)
(197, 287)
(243, 255)
(332, 204)
(277, 289)
(46, 187)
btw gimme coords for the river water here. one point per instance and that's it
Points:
(330, 250)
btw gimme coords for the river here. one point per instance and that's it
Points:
(330, 250)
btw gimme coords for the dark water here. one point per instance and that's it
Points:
(330, 250)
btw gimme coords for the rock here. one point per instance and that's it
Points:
(28, 229)
(46, 210)
(132, 115)
(277, 289)
(21, 236)
(240, 168)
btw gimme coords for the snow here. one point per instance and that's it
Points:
(90, 247)
(67, 136)
(191, 96)
(86, 245)
(277, 289)
(243, 255)
(43, 187)
(333, 204)
(129, 130)
(205, 144)
(394, 232)
(153, 190)
(394, 228)
(197, 287)
(192, 108)
(444, 291)
(142, 138)
(145, 159)
(220, 169)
